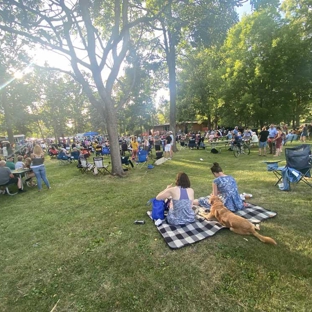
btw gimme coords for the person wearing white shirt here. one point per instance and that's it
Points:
(19, 164)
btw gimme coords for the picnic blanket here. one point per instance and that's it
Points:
(179, 236)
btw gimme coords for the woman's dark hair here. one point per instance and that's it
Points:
(183, 180)
(216, 168)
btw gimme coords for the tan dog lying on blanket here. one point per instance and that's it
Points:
(235, 223)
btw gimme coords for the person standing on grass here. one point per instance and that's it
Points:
(304, 133)
(263, 137)
(146, 144)
(135, 148)
(271, 139)
(38, 167)
(168, 147)
(278, 141)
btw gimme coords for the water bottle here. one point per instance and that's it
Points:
(139, 222)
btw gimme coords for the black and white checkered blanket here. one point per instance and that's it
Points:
(183, 235)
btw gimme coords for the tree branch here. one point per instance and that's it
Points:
(90, 33)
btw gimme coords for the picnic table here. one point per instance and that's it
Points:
(20, 173)
(219, 144)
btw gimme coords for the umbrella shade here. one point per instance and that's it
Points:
(90, 133)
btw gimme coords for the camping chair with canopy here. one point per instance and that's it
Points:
(297, 168)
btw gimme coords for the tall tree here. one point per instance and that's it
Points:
(60, 103)
(15, 95)
(192, 22)
(94, 35)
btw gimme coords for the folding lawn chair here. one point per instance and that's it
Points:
(74, 155)
(183, 145)
(192, 143)
(52, 152)
(297, 168)
(99, 164)
(63, 159)
(84, 166)
(142, 158)
(105, 150)
(126, 163)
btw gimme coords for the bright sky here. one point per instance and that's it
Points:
(58, 61)
(245, 8)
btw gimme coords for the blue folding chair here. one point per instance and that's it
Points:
(105, 150)
(63, 159)
(142, 158)
(74, 155)
(297, 168)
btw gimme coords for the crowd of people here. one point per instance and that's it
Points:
(31, 156)
(33, 166)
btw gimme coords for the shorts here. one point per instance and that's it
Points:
(263, 144)
(167, 147)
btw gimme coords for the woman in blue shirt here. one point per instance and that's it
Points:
(224, 186)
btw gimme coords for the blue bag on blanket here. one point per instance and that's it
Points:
(158, 208)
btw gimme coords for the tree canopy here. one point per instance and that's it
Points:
(218, 70)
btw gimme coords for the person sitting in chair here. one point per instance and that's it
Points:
(6, 177)
(63, 155)
(182, 195)
(75, 154)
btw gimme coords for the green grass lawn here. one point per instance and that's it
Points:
(76, 244)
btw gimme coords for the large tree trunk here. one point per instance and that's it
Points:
(112, 129)
(209, 126)
(173, 93)
(7, 117)
(297, 116)
(110, 116)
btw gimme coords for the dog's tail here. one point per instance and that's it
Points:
(264, 239)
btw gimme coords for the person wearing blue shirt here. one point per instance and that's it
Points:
(225, 186)
(272, 134)
(235, 131)
(238, 140)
